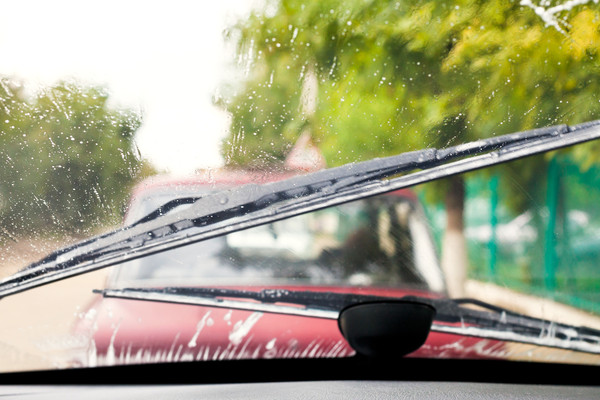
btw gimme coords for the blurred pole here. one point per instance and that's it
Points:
(305, 155)
(565, 256)
(550, 255)
(310, 93)
(454, 247)
(493, 244)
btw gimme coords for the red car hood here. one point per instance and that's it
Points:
(131, 331)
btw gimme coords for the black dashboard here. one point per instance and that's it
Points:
(350, 378)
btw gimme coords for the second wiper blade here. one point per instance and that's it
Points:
(252, 205)
(452, 315)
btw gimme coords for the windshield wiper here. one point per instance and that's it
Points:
(454, 316)
(251, 205)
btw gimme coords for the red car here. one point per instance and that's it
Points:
(380, 246)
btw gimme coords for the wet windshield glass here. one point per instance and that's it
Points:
(381, 241)
(110, 111)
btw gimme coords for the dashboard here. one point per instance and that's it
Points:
(355, 377)
(307, 390)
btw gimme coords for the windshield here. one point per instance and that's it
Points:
(118, 114)
(382, 241)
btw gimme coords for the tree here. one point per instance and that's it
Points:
(67, 160)
(395, 76)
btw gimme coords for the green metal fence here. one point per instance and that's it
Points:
(551, 249)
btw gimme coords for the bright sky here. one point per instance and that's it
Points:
(164, 58)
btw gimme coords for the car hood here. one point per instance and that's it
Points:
(123, 331)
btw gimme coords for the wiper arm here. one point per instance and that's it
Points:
(252, 205)
(451, 315)
(501, 324)
(314, 304)
(166, 208)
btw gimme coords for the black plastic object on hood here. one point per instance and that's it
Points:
(383, 329)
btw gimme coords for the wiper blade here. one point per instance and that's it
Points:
(252, 205)
(451, 315)
(314, 304)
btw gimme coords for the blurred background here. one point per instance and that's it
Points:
(95, 98)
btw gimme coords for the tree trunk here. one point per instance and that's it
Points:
(454, 248)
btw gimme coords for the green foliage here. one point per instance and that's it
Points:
(401, 75)
(66, 160)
